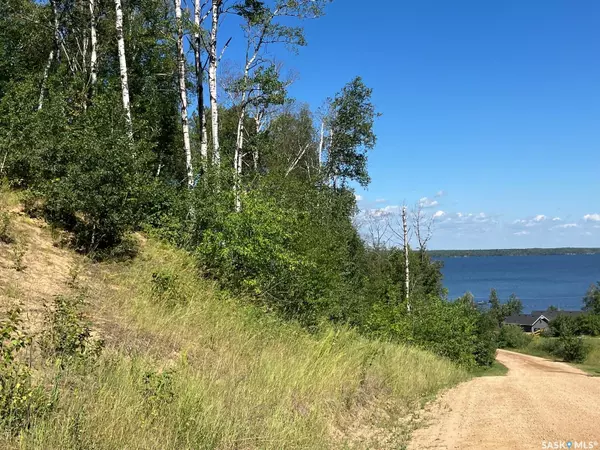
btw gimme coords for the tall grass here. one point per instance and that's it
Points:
(189, 366)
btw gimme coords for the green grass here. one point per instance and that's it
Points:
(591, 364)
(189, 366)
(497, 369)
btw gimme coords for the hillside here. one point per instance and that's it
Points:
(186, 365)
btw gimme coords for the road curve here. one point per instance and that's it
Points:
(537, 405)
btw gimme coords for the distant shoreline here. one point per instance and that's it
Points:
(514, 252)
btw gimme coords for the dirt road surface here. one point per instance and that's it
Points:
(537, 405)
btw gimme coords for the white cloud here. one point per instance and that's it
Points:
(567, 225)
(521, 233)
(425, 202)
(358, 197)
(383, 212)
(380, 200)
(592, 217)
(439, 214)
(539, 218)
(556, 219)
(440, 193)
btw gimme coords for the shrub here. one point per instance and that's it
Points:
(6, 234)
(446, 328)
(564, 326)
(20, 399)
(68, 336)
(157, 390)
(487, 340)
(588, 324)
(572, 349)
(165, 288)
(512, 336)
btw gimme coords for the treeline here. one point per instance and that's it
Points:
(105, 130)
(514, 252)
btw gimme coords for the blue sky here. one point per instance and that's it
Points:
(493, 106)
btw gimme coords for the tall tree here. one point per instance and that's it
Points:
(260, 84)
(200, 68)
(350, 124)
(213, 62)
(123, 66)
(93, 49)
(183, 96)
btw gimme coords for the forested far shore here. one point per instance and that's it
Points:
(514, 252)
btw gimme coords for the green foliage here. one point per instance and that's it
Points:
(351, 123)
(6, 234)
(572, 349)
(564, 325)
(18, 252)
(449, 329)
(501, 311)
(588, 324)
(591, 301)
(20, 399)
(157, 391)
(68, 335)
(165, 288)
(486, 341)
(513, 336)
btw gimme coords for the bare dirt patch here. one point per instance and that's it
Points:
(45, 269)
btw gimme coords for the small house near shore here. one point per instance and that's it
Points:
(538, 320)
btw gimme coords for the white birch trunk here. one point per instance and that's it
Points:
(93, 51)
(183, 97)
(321, 144)
(200, 82)
(237, 158)
(406, 266)
(44, 79)
(212, 81)
(123, 66)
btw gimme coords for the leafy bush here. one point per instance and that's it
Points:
(20, 399)
(165, 288)
(487, 340)
(564, 325)
(572, 349)
(513, 336)
(588, 324)
(157, 390)
(6, 234)
(68, 335)
(447, 328)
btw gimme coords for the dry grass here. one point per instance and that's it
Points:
(188, 366)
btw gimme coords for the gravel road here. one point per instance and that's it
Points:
(538, 404)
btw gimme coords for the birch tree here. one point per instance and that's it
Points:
(405, 244)
(183, 96)
(93, 43)
(123, 66)
(260, 84)
(213, 62)
(200, 67)
(349, 123)
(54, 53)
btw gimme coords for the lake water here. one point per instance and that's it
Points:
(539, 281)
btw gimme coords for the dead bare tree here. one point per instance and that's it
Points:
(422, 225)
(401, 229)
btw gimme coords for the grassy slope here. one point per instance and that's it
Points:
(591, 364)
(226, 374)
